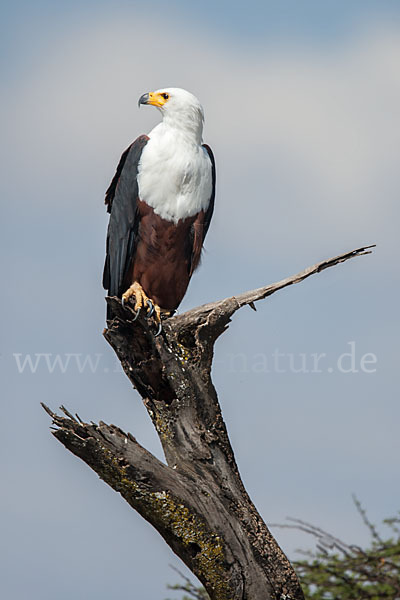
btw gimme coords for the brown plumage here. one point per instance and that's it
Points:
(166, 256)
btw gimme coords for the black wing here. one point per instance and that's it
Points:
(121, 200)
(210, 209)
(201, 223)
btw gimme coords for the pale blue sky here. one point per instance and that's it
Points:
(302, 111)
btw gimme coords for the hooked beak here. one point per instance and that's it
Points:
(143, 99)
(154, 98)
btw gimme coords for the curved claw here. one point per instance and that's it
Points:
(159, 330)
(123, 302)
(151, 308)
(136, 315)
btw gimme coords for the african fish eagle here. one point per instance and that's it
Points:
(160, 201)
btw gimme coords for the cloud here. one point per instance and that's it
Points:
(297, 132)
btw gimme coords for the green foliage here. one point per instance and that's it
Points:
(339, 571)
(187, 586)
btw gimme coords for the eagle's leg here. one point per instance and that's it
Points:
(160, 314)
(142, 300)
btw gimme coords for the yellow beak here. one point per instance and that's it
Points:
(152, 98)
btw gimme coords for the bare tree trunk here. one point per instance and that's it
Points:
(197, 501)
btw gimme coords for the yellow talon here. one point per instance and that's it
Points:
(141, 300)
(137, 291)
(157, 312)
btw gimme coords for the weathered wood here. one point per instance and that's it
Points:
(197, 501)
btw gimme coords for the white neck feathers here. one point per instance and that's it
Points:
(188, 122)
(175, 174)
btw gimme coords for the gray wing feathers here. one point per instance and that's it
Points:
(124, 220)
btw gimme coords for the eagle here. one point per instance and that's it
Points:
(160, 200)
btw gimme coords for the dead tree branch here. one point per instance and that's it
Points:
(196, 501)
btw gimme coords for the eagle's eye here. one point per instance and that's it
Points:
(165, 96)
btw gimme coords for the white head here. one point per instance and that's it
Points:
(179, 108)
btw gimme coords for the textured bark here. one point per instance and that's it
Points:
(196, 501)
